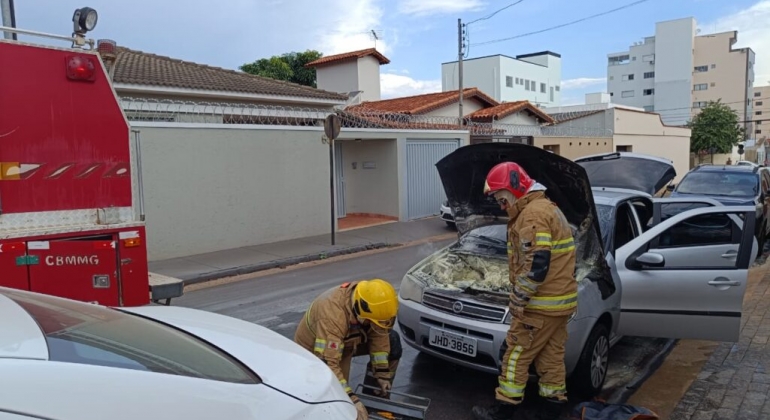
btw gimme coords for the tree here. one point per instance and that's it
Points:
(716, 129)
(289, 67)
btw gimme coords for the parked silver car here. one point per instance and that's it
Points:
(647, 266)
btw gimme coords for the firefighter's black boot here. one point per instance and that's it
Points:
(498, 411)
(549, 409)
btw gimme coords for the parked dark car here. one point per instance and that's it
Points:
(731, 185)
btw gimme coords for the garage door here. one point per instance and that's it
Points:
(424, 190)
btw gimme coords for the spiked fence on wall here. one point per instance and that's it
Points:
(176, 111)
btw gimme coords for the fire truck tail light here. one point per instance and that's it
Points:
(13, 246)
(132, 242)
(81, 68)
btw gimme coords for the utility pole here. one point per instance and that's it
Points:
(9, 18)
(460, 39)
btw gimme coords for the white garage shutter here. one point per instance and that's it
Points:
(424, 190)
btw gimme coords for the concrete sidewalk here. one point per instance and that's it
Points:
(232, 262)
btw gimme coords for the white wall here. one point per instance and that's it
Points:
(340, 77)
(672, 47)
(369, 78)
(519, 118)
(481, 73)
(371, 190)
(639, 63)
(211, 189)
(489, 75)
(673, 69)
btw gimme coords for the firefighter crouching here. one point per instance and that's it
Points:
(350, 320)
(541, 253)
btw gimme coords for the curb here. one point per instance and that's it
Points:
(284, 262)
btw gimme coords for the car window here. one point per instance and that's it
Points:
(625, 226)
(705, 229)
(672, 209)
(88, 334)
(723, 183)
(606, 215)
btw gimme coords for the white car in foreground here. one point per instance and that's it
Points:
(67, 360)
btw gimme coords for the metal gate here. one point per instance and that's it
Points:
(339, 169)
(425, 193)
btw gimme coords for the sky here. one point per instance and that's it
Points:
(416, 35)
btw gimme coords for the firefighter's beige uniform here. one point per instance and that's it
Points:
(331, 331)
(541, 253)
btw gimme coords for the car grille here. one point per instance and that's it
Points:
(463, 308)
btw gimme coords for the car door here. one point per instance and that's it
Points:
(685, 295)
(720, 249)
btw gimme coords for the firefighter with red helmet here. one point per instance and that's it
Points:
(350, 320)
(541, 254)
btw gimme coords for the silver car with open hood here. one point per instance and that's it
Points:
(646, 266)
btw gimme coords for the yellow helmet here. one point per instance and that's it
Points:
(376, 300)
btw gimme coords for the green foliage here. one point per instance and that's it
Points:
(716, 129)
(289, 67)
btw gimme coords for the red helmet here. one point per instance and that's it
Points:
(508, 176)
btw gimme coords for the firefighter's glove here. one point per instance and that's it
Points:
(384, 387)
(362, 413)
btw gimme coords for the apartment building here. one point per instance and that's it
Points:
(761, 110)
(529, 77)
(676, 72)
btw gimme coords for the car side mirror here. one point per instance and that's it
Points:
(651, 259)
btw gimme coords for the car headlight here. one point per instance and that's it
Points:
(411, 289)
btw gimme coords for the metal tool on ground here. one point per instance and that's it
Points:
(398, 407)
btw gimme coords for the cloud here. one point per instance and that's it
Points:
(432, 7)
(753, 32)
(355, 33)
(582, 82)
(396, 85)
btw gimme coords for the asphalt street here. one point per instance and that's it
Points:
(278, 301)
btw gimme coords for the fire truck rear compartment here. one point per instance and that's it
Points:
(98, 268)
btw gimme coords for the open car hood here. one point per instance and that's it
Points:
(464, 171)
(632, 171)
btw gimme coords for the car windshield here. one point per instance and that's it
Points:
(606, 214)
(721, 183)
(78, 332)
(491, 239)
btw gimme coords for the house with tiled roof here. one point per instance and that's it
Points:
(150, 78)
(438, 104)
(519, 112)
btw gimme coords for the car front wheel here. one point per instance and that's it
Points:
(591, 371)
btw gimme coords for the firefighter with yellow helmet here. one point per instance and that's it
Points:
(350, 320)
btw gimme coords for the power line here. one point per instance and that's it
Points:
(496, 12)
(564, 24)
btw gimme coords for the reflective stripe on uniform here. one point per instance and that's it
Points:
(344, 383)
(380, 358)
(557, 247)
(527, 284)
(543, 238)
(553, 303)
(508, 387)
(552, 390)
(320, 345)
(562, 246)
(510, 247)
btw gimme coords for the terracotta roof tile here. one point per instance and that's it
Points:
(561, 117)
(140, 68)
(507, 108)
(331, 59)
(421, 104)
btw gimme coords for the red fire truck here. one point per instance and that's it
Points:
(71, 209)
